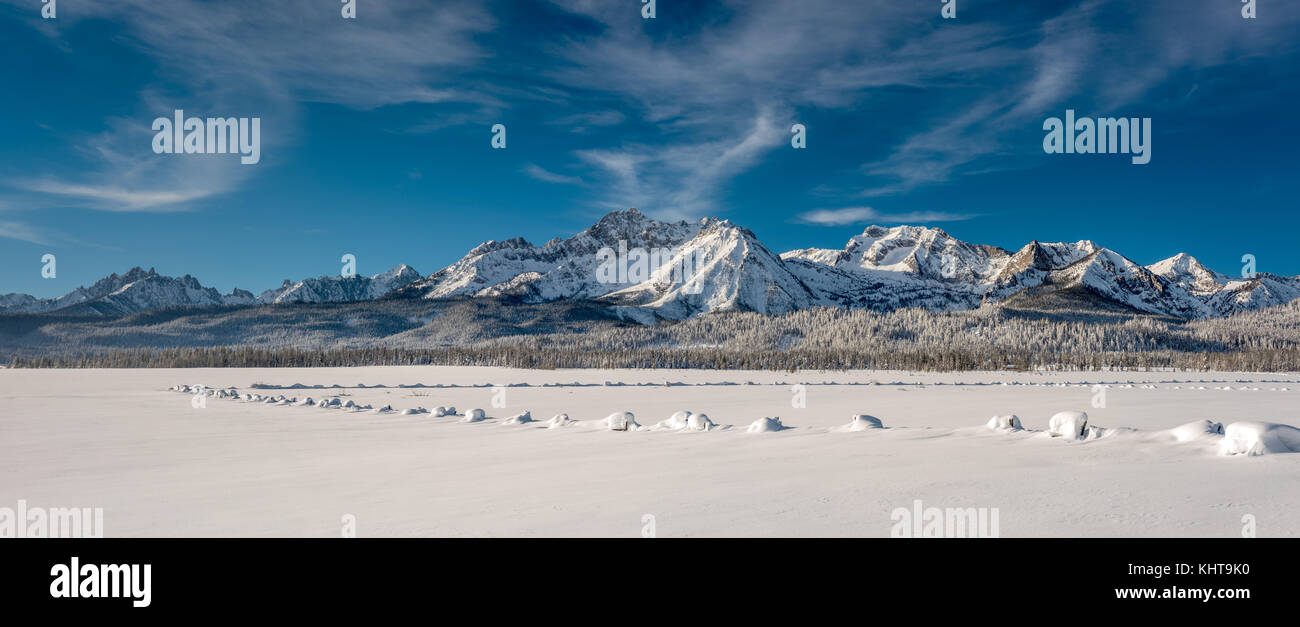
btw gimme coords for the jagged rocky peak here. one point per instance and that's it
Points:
(399, 271)
(134, 274)
(636, 229)
(1045, 257)
(712, 225)
(493, 245)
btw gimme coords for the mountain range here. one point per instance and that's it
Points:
(647, 270)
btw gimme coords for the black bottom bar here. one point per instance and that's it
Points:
(436, 577)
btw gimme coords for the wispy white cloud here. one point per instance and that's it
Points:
(863, 215)
(682, 180)
(247, 58)
(724, 96)
(111, 198)
(543, 174)
(22, 232)
(1097, 55)
(984, 82)
(585, 121)
(696, 104)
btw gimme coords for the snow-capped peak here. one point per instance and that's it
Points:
(337, 289)
(1186, 271)
(722, 268)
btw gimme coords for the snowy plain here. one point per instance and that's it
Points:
(159, 466)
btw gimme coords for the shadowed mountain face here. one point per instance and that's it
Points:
(645, 270)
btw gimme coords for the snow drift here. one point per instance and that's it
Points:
(1009, 422)
(1197, 430)
(621, 421)
(863, 422)
(765, 425)
(518, 419)
(686, 420)
(1068, 423)
(1259, 438)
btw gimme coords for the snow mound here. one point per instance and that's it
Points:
(412, 412)
(863, 422)
(1005, 423)
(474, 415)
(1196, 430)
(1259, 438)
(765, 425)
(687, 420)
(386, 409)
(676, 421)
(621, 421)
(558, 420)
(699, 422)
(306, 402)
(1068, 423)
(519, 419)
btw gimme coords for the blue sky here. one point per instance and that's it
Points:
(376, 131)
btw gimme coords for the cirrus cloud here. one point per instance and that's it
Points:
(860, 215)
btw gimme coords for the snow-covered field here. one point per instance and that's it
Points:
(160, 466)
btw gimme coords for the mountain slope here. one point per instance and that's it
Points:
(1116, 278)
(723, 268)
(136, 290)
(569, 268)
(327, 289)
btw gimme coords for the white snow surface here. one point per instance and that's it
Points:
(121, 440)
